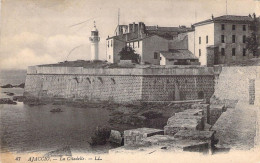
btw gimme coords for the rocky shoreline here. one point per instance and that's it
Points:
(13, 86)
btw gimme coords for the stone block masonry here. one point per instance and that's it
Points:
(237, 84)
(190, 119)
(215, 112)
(136, 136)
(119, 84)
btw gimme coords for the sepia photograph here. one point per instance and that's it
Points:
(129, 81)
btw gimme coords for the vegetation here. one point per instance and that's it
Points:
(252, 44)
(128, 53)
(252, 40)
(101, 135)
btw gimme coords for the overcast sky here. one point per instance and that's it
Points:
(41, 31)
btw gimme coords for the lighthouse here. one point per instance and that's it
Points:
(94, 40)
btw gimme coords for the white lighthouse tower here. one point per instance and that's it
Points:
(94, 39)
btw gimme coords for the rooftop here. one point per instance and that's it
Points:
(168, 29)
(227, 18)
(78, 63)
(178, 54)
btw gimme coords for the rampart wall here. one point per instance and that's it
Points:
(119, 84)
(238, 83)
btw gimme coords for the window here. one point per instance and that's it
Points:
(199, 52)
(233, 27)
(108, 44)
(223, 26)
(222, 38)
(244, 27)
(207, 39)
(244, 39)
(244, 51)
(233, 51)
(133, 44)
(160, 58)
(138, 44)
(111, 43)
(199, 40)
(109, 56)
(222, 51)
(155, 56)
(233, 38)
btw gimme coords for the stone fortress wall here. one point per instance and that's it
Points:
(120, 84)
(145, 84)
(238, 83)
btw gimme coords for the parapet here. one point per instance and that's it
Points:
(120, 71)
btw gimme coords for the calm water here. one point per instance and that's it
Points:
(28, 129)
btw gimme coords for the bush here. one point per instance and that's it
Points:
(101, 135)
(127, 53)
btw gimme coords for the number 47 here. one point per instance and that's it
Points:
(18, 158)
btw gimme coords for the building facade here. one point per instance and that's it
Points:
(147, 41)
(227, 34)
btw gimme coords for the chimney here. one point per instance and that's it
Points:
(254, 16)
(250, 16)
(212, 16)
(133, 26)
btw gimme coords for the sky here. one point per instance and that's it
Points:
(34, 32)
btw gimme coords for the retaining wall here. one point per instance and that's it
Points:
(238, 83)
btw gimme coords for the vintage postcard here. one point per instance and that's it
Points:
(129, 81)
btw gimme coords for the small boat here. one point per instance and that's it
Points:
(55, 110)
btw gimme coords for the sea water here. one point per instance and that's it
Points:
(26, 128)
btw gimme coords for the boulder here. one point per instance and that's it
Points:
(7, 86)
(7, 101)
(21, 85)
(188, 121)
(116, 137)
(207, 136)
(158, 140)
(9, 93)
(18, 98)
(136, 136)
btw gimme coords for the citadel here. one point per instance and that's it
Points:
(176, 63)
(202, 64)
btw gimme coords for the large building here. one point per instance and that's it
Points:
(147, 41)
(221, 40)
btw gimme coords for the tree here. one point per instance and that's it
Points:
(252, 44)
(252, 40)
(128, 53)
